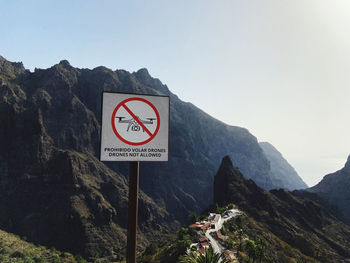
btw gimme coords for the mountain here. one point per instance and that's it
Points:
(300, 219)
(282, 173)
(335, 189)
(55, 191)
(15, 249)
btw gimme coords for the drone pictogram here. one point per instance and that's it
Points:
(135, 121)
(134, 124)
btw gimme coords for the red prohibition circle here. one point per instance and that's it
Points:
(129, 142)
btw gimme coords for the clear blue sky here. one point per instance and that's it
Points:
(279, 68)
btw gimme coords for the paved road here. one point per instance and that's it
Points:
(215, 245)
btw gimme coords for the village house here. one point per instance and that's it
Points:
(203, 244)
(215, 220)
(203, 241)
(200, 226)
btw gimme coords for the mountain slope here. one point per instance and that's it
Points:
(334, 188)
(283, 174)
(53, 189)
(69, 102)
(49, 143)
(194, 155)
(15, 250)
(297, 218)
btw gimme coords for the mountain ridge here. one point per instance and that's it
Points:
(50, 120)
(297, 218)
(334, 188)
(283, 173)
(270, 226)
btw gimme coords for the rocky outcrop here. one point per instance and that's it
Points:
(53, 189)
(300, 219)
(194, 154)
(11, 69)
(282, 174)
(50, 122)
(335, 189)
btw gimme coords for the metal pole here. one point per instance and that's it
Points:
(132, 212)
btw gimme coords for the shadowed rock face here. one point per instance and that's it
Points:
(53, 189)
(282, 174)
(49, 145)
(335, 188)
(299, 218)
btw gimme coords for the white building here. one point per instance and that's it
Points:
(214, 219)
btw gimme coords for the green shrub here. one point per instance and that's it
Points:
(56, 258)
(17, 254)
(229, 243)
(151, 249)
(38, 259)
(80, 259)
(231, 206)
(183, 234)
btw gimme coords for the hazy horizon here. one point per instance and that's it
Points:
(278, 68)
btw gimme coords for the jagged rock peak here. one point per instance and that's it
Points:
(226, 175)
(228, 169)
(143, 72)
(226, 161)
(144, 76)
(65, 63)
(11, 68)
(334, 188)
(347, 164)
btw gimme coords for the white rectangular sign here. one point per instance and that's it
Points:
(134, 127)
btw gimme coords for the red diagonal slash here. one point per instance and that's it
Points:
(137, 119)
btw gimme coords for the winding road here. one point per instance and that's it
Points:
(215, 245)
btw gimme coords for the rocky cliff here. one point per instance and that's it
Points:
(282, 174)
(335, 189)
(300, 219)
(55, 191)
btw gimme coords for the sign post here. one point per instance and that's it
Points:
(132, 211)
(134, 128)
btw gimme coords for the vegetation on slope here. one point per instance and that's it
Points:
(334, 188)
(208, 257)
(247, 239)
(15, 250)
(298, 219)
(170, 250)
(254, 242)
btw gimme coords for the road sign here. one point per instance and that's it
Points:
(128, 129)
(134, 127)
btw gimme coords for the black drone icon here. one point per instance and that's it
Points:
(135, 126)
